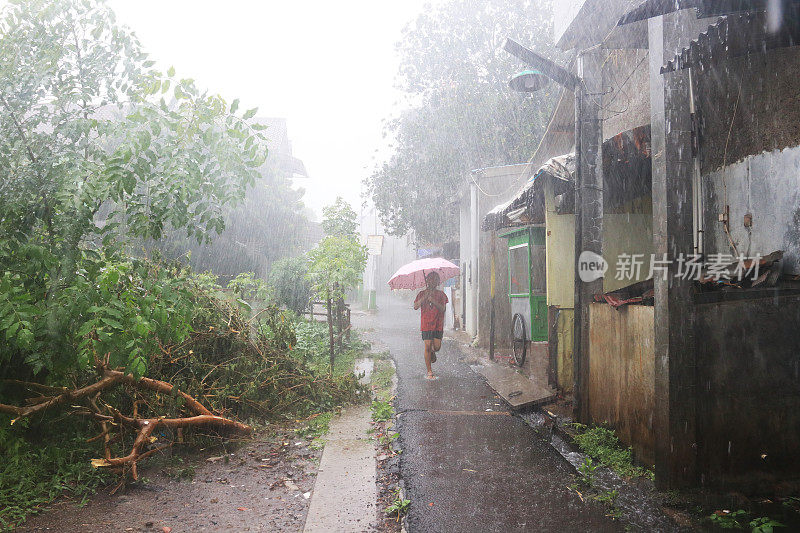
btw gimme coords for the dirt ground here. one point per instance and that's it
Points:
(258, 485)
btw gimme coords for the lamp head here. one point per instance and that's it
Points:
(528, 81)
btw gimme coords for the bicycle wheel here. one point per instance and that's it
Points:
(519, 339)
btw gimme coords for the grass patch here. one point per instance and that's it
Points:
(602, 445)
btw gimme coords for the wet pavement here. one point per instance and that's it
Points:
(467, 464)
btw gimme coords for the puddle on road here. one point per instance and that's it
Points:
(364, 366)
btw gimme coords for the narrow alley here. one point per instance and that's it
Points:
(467, 464)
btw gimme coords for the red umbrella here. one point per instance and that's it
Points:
(412, 275)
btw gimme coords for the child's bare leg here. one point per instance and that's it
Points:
(428, 352)
(437, 345)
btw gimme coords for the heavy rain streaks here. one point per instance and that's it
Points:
(422, 266)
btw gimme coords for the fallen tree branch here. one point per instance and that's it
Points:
(144, 427)
(148, 425)
(159, 386)
(35, 386)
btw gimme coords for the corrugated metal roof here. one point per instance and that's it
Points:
(704, 8)
(735, 36)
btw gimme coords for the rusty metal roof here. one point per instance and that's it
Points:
(529, 199)
(735, 36)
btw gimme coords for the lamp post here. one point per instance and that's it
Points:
(588, 187)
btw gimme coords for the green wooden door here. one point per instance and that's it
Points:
(538, 318)
(538, 284)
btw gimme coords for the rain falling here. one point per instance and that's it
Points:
(433, 265)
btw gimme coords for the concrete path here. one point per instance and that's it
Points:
(467, 464)
(344, 496)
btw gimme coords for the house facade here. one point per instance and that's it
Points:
(684, 126)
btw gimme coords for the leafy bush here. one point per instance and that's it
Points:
(382, 411)
(246, 286)
(725, 519)
(312, 340)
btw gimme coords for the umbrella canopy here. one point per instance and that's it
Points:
(412, 275)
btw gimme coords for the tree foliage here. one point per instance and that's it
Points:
(336, 265)
(267, 225)
(339, 218)
(96, 147)
(465, 117)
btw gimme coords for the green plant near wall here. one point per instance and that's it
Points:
(603, 446)
(764, 524)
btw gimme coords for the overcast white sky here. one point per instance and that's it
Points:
(328, 67)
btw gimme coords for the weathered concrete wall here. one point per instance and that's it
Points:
(767, 115)
(502, 308)
(767, 186)
(627, 104)
(498, 190)
(626, 233)
(748, 410)
(621, 374)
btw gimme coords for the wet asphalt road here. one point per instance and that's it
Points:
(466, 468)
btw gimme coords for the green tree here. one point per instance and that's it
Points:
(337, 263)
(455, 70)
(93, 154)
(336, 266)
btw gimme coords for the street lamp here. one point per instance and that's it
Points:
(588, 193)
(543, 68)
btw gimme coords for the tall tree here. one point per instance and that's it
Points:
(339, 218)
(454, 68)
